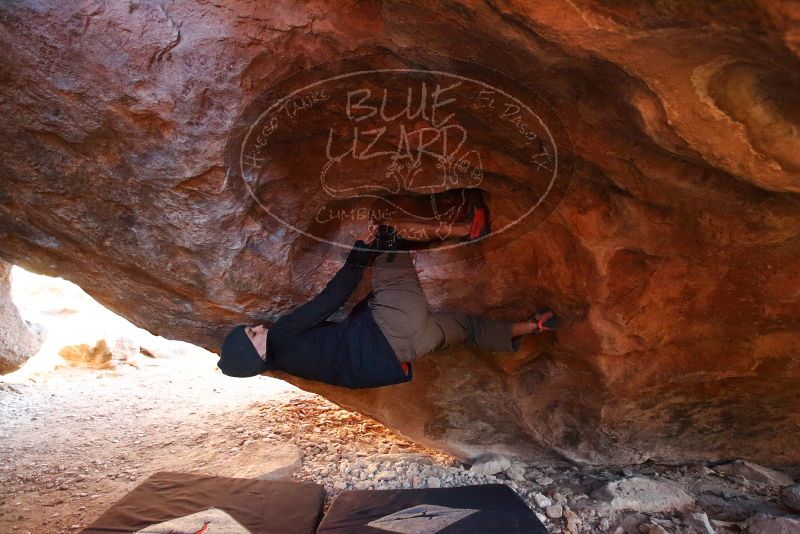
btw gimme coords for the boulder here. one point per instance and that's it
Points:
(643, 495)
(173, 159)
(101, 355)
(490, 465)
(767, 524)
(98, 356)
(17, 341)
(754, 473)
(736, 507)
(790, 495)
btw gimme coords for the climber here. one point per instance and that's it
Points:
(383, 334)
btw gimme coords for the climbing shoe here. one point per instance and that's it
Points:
(544, 320)
(477, 215)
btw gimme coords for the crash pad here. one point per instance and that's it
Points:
(464, 510)
(226, 504)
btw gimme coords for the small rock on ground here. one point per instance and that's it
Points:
(554, 511)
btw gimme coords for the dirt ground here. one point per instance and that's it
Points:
(73, 443)
(74, 439)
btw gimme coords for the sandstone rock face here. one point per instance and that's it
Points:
(17, 342)
(140, 160)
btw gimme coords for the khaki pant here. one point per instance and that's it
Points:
(401, 311)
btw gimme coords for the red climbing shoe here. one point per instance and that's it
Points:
(477, 215)
(545, 320)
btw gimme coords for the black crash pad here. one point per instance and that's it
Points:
(261, 506)
(485, 508)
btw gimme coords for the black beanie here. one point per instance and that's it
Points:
(238, 357)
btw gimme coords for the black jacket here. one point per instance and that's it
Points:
(353, 353)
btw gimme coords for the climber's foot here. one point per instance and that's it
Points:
(478, 216)
(544, 320)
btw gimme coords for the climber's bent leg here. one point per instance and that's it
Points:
(399, 306)
(476, 331)
(400, 309)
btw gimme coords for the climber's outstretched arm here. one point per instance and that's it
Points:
(330, 299)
